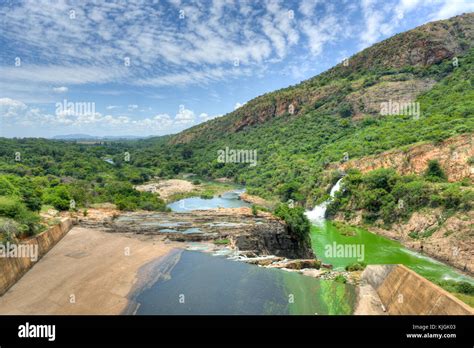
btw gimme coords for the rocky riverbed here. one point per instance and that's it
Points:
(238, 228)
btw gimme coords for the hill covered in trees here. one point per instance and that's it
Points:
(297, 132)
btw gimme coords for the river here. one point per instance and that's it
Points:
(203, 283)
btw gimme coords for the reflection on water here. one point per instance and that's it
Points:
(203, 284)
(226, 200)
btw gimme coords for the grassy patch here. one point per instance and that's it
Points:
(344, 229)
(224, 241)
(468, 299)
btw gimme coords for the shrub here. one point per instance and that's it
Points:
(356, 266)
(254, 210)
(9, 230)
(221, 241)
(381, 179)
(125, 203)
(6, 187)
(10, 206)
(465, 288)
(297, 222)
(58, 197)
(206, 195)
(13, 208)
(345, 110)
(290, 190)
(434, 172)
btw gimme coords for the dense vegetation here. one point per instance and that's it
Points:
(298, 224)
(293, 151)
(36, 173)
(383, 194)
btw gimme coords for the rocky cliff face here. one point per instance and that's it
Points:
(418, 48)
(425, 45)
(369, 100)
(275, 241)
(446, 238)
(454, 154)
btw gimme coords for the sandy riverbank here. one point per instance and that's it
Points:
(96, 269)
(167, 188)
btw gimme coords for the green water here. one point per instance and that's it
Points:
(215, 286)
(379, 250)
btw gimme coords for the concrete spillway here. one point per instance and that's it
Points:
(402, 291)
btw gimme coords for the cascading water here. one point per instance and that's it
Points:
(316, 216)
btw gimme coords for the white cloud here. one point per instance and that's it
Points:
(452, 8)
(14, 113)
(184, 116)
(11, 108)
(321, 32)
(62, 89)
(307, 7)
(238, 105)
(205, 117)
(111, 107)
(60, 74)
(163, 50)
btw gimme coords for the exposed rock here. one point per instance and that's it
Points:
(271, 241)
(312, 272)
(298, 264)
(453, 155)
(260, 235)
(262, 261)
(369, 100)
(450, 241)
(326, 265)
(255, 200)
(421, 47)
(167, 188)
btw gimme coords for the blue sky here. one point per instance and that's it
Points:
(157, 67)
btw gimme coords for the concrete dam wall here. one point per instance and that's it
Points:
(403, 291)
(13, 268)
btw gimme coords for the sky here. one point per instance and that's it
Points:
(147, 68)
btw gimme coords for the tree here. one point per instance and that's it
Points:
(345, 110)
(296, 220)
(434, 172)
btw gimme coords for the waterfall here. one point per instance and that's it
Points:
(316, 215)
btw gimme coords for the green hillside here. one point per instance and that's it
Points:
(296, 131)
(334, 115)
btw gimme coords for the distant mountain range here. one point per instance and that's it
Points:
(95, 137)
